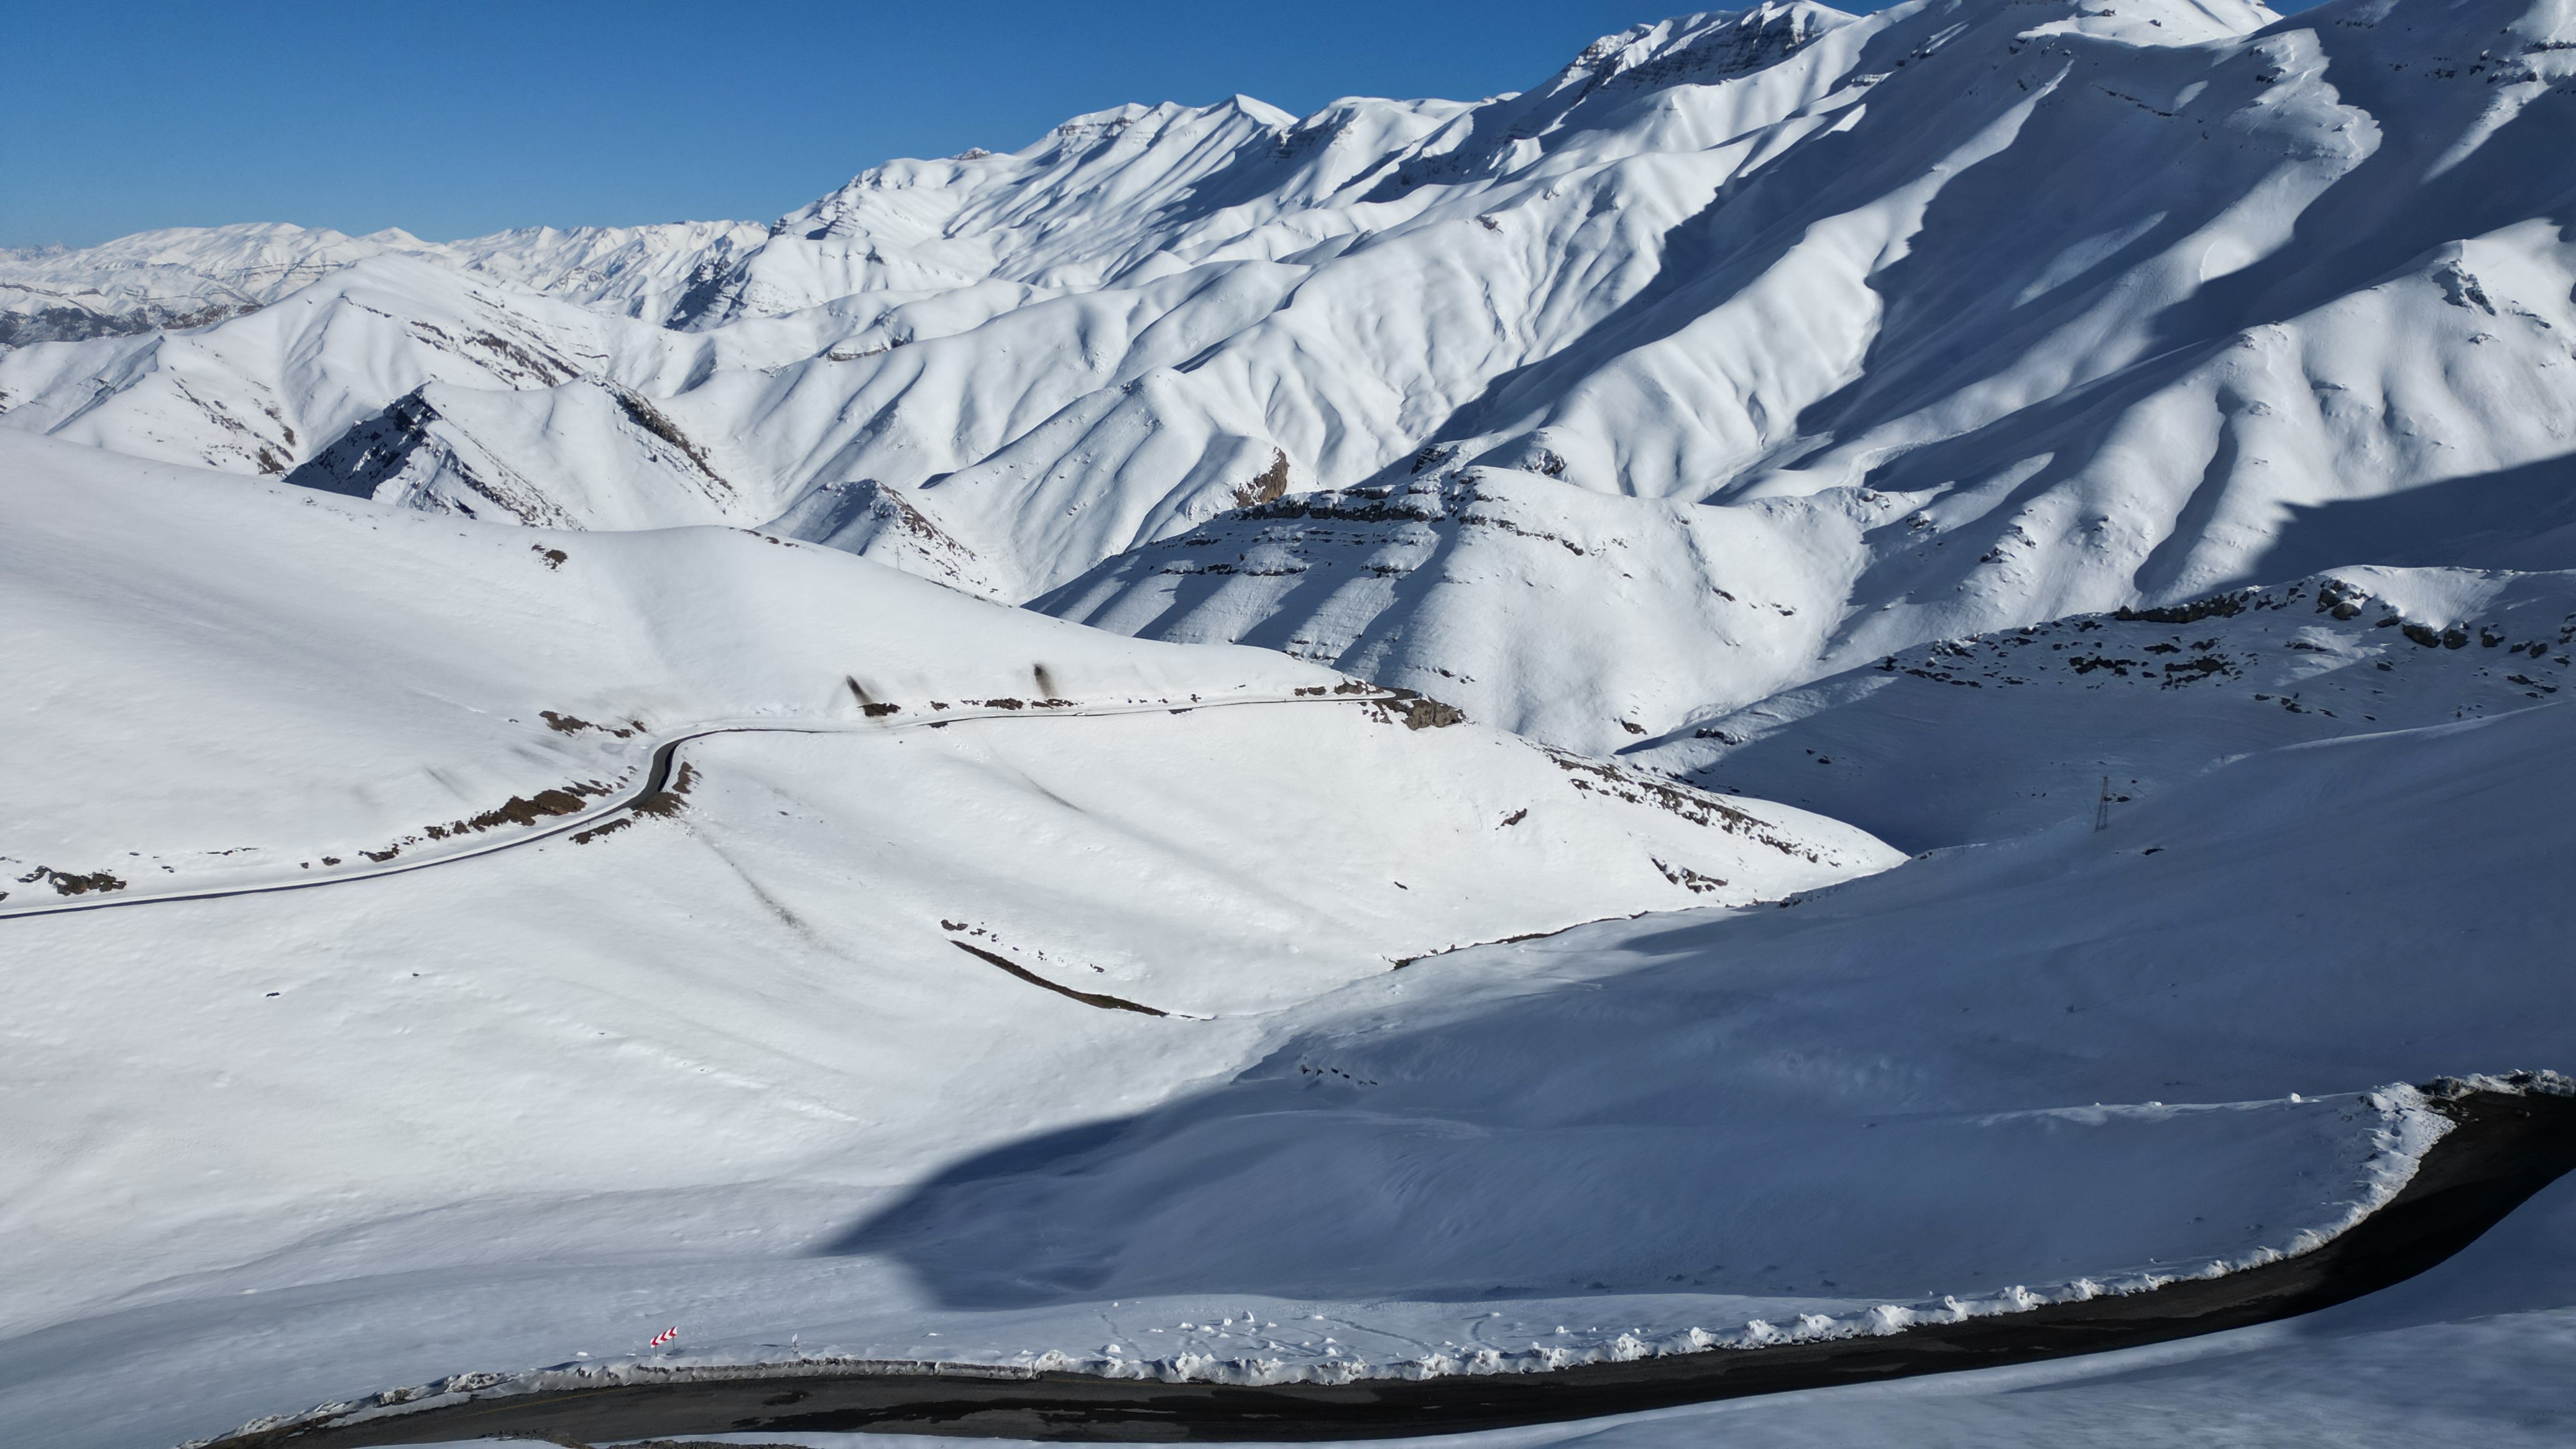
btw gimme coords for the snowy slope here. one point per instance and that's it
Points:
(445, 448)
(381, 672)
(1997, 734)
(2069, 1057)
(2149, 964)
(1584, 618)
(961, 872)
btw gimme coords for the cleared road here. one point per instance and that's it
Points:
(656, 778)
(2507, 1146)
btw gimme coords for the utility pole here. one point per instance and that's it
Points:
(2102, 810)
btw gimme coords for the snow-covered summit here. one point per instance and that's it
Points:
(175, 277)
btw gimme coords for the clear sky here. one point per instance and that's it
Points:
(452, 118)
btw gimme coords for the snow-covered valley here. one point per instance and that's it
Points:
(1832, 673)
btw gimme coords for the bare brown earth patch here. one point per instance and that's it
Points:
(565, 724)
(1694, 805)
(666, 803)
(68, 883)
(517, 810)
(1272, 482)
(1403, 706)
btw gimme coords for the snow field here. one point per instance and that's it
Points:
(1793, 400)
(705, 1037)
(1803, 1110)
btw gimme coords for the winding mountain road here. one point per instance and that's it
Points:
(655, 778)
(2509, 1140)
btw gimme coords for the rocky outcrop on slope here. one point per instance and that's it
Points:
(445, 449)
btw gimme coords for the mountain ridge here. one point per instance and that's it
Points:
(2047, 309)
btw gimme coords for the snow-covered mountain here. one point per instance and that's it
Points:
(194, 276)
(1996, 312)
(182, 277)
(1114, 1017)
(924, 862)
(1830, 671)
(2001, 342)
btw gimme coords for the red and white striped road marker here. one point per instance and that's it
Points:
(665, 1336)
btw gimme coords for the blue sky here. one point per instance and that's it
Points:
(452, 118)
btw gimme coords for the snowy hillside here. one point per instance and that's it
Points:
(949, 853)
(381, 681)
(1832, 673)
(1585, 618)
(1074, 1039)
(1893, 1031)
(1996, 735)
